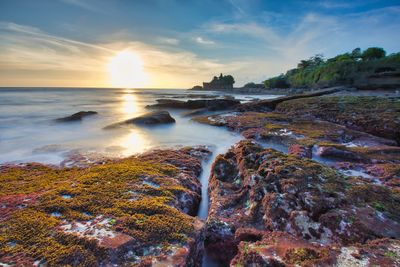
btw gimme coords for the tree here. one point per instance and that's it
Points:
(277, 82)
(373, 53)
(356, 53)
(318, 59)
(250, 85)
(304, 64)
(228, 79)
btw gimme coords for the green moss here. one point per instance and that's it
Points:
(374, 115)
(300, 255)
(33, 234)
(115, 190)
(391, 254)
(378, 206)
(381, 198)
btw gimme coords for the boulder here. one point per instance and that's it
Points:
(152, 118)
(209, 104)
(76, 116)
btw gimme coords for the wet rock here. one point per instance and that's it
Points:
(375, 154)
(270, 104)
(281, 249)
(132, 211)
(209, 104)
(195, 112)
(375, 115)
(327, 142)
(300, 151)
(152, 118)
(264, 190)
(334, 152)
(77, 116)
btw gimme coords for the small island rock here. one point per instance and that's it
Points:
(152, 118)
(76, 116)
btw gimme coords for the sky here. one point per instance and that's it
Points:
(180, 43)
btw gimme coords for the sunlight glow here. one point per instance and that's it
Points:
(126, 70)
(129, 104)
(134, 142)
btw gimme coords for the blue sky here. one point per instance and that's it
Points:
(182, 42)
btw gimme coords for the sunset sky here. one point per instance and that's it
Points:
(180, 43)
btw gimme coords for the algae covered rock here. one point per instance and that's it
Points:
(375, 115)
(307, 131)
(265, 190)
(131, 211)
(282, 249)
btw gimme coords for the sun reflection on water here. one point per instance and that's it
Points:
(134, 142)
(129, 103)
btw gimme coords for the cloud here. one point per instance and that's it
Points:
(237, 7)
(250, 48)
(202, 41)
(328, 4)
(169, 41)
(59, 61)
(273, 49)
(84, 4)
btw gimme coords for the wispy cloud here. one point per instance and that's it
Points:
(85, 4)
(237, 7)
(274, 50)
(329, 4)
(203, 41)
(169, 41)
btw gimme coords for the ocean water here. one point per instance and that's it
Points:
(28, 132)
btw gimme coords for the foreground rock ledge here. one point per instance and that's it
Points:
(256, 193)
(133, 211)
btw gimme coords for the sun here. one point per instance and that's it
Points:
(126, 70)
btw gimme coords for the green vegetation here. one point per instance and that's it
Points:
(354, 68)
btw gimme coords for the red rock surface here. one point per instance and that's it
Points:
(264, 190)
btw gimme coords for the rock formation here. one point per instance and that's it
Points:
(152, 118)
(76, 116)
(209, 104)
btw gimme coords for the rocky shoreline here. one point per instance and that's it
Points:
(327, 195)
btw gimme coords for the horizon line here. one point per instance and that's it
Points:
(89, 87)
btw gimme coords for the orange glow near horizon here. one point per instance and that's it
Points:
(126, 70)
